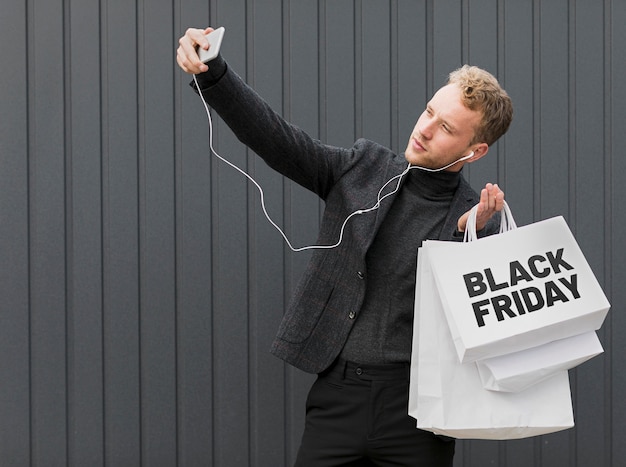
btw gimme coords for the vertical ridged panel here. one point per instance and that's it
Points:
(141, 284)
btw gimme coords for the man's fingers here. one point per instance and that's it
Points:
(187, 52)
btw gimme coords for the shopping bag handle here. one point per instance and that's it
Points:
(506, 223)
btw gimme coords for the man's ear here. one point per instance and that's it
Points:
(480, 150)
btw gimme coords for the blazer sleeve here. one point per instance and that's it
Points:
(284, 147)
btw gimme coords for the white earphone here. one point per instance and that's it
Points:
(471, 154)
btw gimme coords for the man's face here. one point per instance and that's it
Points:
(443, 132)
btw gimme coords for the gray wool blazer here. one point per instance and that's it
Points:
(327, 300)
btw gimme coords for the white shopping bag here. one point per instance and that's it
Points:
(520, 289)
(519, 370)
(447, 397)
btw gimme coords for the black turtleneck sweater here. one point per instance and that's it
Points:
(384, 327)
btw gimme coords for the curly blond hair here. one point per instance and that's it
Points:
(481, 91)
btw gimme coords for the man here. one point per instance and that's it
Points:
(350, 320)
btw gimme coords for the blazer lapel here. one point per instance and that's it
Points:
(394, 168)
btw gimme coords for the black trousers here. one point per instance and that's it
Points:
(357, 415)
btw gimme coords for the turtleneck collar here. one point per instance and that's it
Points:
(433, 185)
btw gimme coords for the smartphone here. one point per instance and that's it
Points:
(215, 41)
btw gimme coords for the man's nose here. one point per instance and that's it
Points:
(426, 129)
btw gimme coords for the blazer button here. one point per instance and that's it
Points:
(360, 274)
(352, 315)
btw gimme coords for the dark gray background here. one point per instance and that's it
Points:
(141, 286)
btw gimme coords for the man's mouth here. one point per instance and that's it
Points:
(417, 145)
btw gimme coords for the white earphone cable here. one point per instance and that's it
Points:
(379, 199)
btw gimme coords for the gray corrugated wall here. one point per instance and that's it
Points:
(140, 286)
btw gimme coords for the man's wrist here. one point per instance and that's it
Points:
(217, 69)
